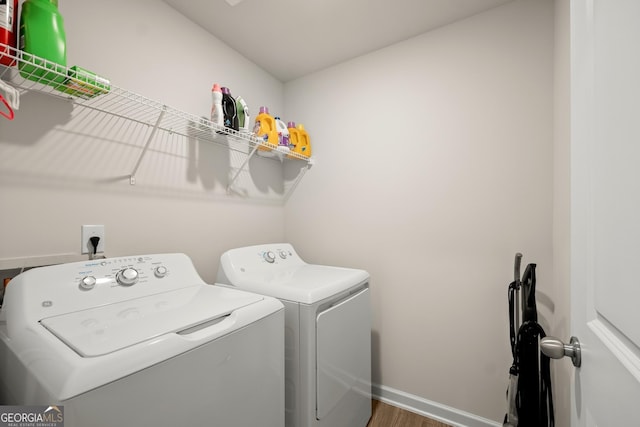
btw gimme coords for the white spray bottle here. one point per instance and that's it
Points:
(217, 115)
(283, 135)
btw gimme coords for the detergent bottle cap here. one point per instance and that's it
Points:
(291, 125)
(300, 126)
(264, 110)
(226, 91)
(215, 88)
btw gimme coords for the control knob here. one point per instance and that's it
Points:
(269, 256)
(127, 276)
(160, 271)
(88, 282)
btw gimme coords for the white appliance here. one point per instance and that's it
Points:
(141, 341)
(328, 331)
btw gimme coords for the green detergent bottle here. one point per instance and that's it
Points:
(42, 35)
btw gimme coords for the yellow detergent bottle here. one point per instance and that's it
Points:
(294, 137)
(265, 128)
(304, 143)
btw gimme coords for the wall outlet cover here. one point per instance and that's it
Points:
(89, 231)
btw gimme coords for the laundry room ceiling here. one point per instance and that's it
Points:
(292, 38)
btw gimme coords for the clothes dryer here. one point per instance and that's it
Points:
(328, 331)
(141, 341)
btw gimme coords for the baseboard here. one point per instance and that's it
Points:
(429, 409)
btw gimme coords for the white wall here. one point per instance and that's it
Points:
(434, 166)
(61, 168)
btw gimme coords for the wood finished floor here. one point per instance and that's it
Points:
(384, 415)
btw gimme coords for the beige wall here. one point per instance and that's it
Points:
(61, 168)
(434, 166)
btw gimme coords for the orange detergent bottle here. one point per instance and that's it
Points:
(304, 143)
(265, 128)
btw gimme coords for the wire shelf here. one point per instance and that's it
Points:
(28, 72)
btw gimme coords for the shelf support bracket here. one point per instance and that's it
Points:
(235, 176)
(298, 179)
(132, 177)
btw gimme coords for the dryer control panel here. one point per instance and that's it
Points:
(272, 257)
(268, 261)
(271, 254)
(65, 288)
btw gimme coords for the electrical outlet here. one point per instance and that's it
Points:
(89, 231)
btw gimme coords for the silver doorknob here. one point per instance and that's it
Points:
(556, 349)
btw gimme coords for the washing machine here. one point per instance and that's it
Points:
(141, 341)
(328, 331)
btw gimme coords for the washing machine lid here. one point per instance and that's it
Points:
(107, 329)
(307, 283)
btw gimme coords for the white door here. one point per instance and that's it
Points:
(605, 210)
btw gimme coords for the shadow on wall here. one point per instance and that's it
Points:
(376, 370)
(206, 162)
(31, 124)
(259, 169)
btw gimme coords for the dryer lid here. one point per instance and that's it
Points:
(99, 331)
(307, 283)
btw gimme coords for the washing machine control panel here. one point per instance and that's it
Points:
(66, 288)
(120, 272)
